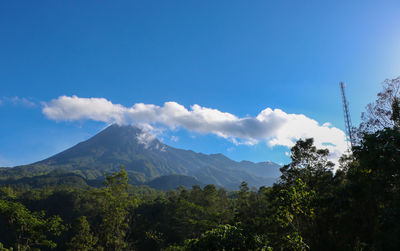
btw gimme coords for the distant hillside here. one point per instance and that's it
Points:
(173, 181)
(145, 159)
(52, 179)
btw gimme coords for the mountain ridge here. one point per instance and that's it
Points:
(146, 158)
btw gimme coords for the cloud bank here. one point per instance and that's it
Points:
(273, 126)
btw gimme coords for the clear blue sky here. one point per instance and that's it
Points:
(235, 56)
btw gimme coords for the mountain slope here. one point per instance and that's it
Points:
(146, 158)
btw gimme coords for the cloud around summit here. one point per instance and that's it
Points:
(274, 126)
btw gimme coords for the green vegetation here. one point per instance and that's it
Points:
(83, 238)
(28, 230)
(309, 208)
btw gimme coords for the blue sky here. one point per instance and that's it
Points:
(237, 57)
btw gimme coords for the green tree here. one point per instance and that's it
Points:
(7, 192)
(252, 209)
(396, 111)
(294, 214)
(374, 189)
(313, 168)
(83, 240)
(2, 248)
(117, 209)
(308, 163)
(227, 237)
(29, 230)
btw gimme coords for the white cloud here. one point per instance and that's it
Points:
(74, 108)
(145, 138)
(273, 126)
(174, 138)
(17, 101)
(230, 149)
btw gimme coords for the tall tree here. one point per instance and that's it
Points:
(83, 240)
(295, 213)
(117, 211)
(308, 163)
(312, 167)
(384, 112)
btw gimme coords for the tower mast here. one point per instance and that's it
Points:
(347, 118)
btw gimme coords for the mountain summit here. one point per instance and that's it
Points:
(146, 159)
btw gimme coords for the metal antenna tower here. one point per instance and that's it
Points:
(347, 118)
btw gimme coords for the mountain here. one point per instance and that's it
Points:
(145, 159)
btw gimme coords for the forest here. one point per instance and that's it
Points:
(311, 207)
